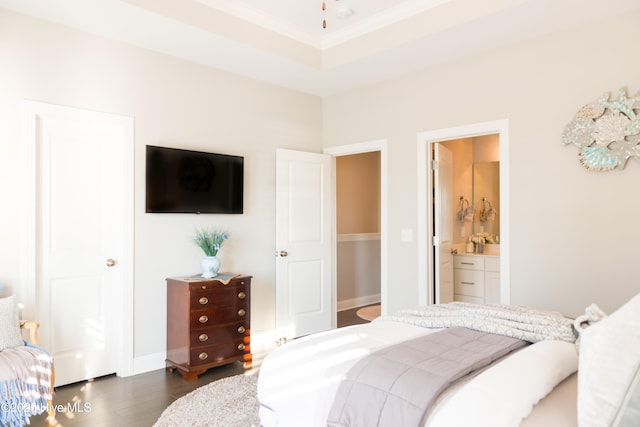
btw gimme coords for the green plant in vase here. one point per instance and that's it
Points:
(210, 241)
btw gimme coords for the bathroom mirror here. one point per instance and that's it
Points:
(486, 198)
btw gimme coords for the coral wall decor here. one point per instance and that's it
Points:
(607, 132)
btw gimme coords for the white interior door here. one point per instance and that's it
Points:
(81, 241)
(304, 221)
(443, 183)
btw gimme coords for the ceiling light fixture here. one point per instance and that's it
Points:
(342, 11)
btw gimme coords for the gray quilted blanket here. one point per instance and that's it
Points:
(512, 321)
(397, 385)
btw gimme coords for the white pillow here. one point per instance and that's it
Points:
(9, 323)
(609, 369)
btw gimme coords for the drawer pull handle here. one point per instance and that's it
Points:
(203, 356)
(468, 263)
(468, 283)
(241, 330)
(241, 312)
(241, 346)
(242, 295)
(203, 337)
(204, 287)
(203, 300)
(203, 319)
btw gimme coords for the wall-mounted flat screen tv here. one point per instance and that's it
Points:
(185, 181)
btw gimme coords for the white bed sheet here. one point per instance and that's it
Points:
(299, 380)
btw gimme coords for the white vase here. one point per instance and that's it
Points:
(210, 266)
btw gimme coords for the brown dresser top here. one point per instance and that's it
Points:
(222, 280)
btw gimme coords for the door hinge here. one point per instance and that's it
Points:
(434, 165)
(436, 241)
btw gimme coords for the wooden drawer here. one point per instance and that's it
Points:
(492, 263)
(468, 262)
(469, 282)
(219, 352)
(215, 334)
(217, 315)
(214, 286)
(203, 298)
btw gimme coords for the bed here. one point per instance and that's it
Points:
(587, 378)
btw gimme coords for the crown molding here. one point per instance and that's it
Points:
(331, 38)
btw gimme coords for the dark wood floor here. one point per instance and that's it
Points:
(139, 400)
(349, 317)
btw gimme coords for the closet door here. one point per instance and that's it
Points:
(82, 238)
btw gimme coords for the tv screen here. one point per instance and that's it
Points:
(184, 181)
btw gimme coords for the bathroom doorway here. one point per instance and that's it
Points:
(466, 187)
(461, 140)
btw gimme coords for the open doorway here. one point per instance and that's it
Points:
(428, 239)
(360, 228)
(358, 235)
(466, 220)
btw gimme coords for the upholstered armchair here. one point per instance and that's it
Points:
(26, 370)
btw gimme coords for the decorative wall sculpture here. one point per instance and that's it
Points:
(607, 132)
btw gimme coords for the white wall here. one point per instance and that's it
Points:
(573, 232)
(357, 270)
(174, 103)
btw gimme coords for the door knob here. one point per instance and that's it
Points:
(111, 262)
(283, 253)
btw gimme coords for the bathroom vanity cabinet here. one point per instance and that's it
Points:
(477, 278)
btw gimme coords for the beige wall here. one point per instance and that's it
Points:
(572, 232)
(486, 148)
(174, 103)
(358, 193)
(358, 270)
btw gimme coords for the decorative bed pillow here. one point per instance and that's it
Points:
(609, 369)
(9, 323)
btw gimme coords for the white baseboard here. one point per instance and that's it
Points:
(148, 363)
(261, 344)
(358, 302)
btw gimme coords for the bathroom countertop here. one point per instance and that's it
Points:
(475, 254)
(489, 250)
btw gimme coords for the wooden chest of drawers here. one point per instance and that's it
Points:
(208, 324)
